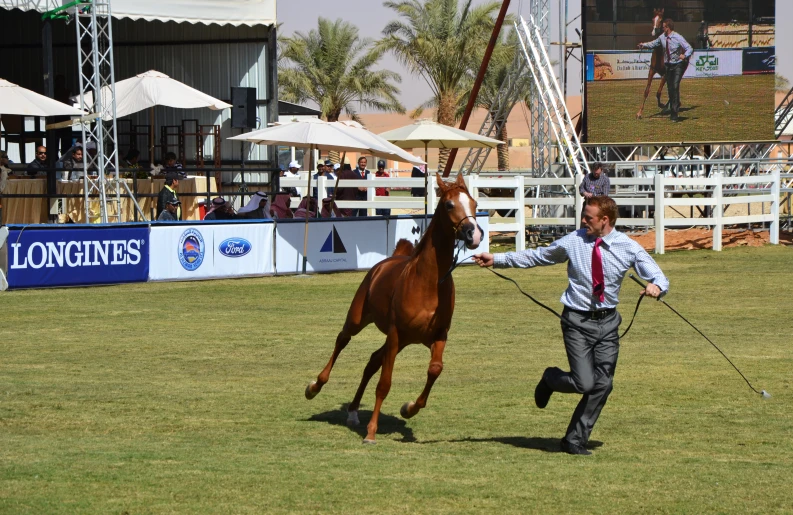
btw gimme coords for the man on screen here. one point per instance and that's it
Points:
(676, 52)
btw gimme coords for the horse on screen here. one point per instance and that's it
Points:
(410, 299)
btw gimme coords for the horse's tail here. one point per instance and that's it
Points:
(403, 248)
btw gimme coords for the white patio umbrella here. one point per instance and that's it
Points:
(321, 135)
(153, 88)
(374, 141)
(20, 101)
(427, 133)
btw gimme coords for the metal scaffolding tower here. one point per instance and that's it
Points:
(98, 97)
(541, 142)
(550, 99)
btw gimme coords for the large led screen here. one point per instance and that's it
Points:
(720, 53)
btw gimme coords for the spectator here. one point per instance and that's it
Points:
(324, 169)
(292, 173)
(171, 211)
(4, 171)
(258, 207)
(417, 173)
(345, 194)
(219, 210)
(131, 159)
(72, 162)
(170, 163)
(168, 193)
(595, 184)
(382, 192)
(363, 173)
(39, 163)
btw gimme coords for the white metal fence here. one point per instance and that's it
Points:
(557, 202)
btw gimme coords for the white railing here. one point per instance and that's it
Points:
(712, 193)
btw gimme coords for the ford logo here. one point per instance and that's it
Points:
(234, 247)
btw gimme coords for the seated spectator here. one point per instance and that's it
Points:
(280, 206)
(168, 193)
(382, 192)
(219, 210)
(170, 213)
(72, 162)
(39, 164)
(4, 170)
(258, 207)
(131, 159)
(170, 163)
(308, 206)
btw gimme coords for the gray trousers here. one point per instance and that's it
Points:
(592, 349)
(674, 73)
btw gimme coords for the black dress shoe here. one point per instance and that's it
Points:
(571, 448)
(542, 393)
(675, 120)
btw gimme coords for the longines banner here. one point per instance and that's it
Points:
(76, 257)
(210, 251)
(616, 65)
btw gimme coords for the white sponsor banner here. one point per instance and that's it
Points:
(411, 230)
(336, 244)
(636, 65)
(210, 251)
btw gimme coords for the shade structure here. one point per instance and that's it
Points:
(17, 100)
(154, 88)
(321, 135)
(377, 143)
(430, 134)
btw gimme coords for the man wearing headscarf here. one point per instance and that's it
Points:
(219, 210)
(258, 207)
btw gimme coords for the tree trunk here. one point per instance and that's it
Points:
(446, 108)
(503, 149)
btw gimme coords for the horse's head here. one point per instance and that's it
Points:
(460, 210)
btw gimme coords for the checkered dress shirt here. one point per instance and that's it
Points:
(619, 252)
(598, 187)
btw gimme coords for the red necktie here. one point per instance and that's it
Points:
(668, 56)
(598, 281)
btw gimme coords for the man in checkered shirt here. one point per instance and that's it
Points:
(595, 184)
(590, 321)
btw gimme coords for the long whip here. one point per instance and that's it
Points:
(764, 394)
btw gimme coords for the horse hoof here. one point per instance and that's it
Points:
(639, 116)
(367, 441)
(405, 410)
(352, 419)
(310, 394)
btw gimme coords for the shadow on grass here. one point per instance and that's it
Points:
(666, 113)
(522, 442)
(386, 424)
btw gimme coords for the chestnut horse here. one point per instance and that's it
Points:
(410, 300)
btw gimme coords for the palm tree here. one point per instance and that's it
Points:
(501, 63)
(442, 42)
(332, 67)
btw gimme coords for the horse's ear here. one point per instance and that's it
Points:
(460, 179)
(440, 182)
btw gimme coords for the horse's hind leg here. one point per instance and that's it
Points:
(390, 351)
(358, 317)
(409, 409)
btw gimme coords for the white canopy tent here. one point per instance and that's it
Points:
(222, 12)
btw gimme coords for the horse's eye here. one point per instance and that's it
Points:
(449, 205)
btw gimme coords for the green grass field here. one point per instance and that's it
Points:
(612, 108)
(188, 398)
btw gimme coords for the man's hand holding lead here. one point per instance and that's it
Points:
(484, 259)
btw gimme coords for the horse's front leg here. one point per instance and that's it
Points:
(409, 409)
(658, 94)
(384, 385)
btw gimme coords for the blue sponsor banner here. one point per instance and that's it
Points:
(759, 60)
(75, 257)
(590, 67)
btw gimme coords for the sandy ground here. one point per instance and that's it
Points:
(698, 238)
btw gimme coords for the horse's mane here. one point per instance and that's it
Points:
(403, 248)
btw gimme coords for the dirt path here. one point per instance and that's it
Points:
(696, 238)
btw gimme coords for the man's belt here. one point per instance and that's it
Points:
(599, 314)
